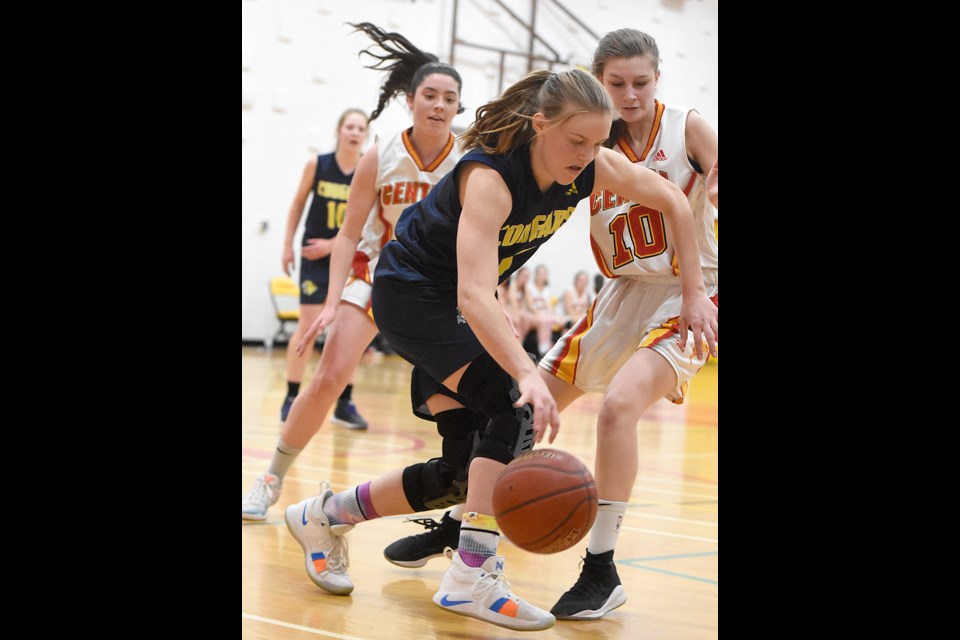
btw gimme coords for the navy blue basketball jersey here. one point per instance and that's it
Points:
(330, 189)
(425, 248)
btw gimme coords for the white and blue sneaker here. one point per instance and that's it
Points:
(265, 493)
(324, 546)
(484, 593)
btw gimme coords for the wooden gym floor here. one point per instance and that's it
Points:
(667, 554)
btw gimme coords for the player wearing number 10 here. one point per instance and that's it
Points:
(630, 343)
(328, 178)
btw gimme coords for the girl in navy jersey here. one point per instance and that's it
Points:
(390, 176)
(536, 152)
(628, 344)
(327, 177)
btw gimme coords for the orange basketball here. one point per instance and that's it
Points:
(545, 501)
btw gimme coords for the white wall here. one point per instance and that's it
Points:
(300, 70)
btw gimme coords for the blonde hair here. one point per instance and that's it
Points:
(343, 117)
(505, 123)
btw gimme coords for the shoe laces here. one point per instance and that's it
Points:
(592, 575)
(338, 560)
(493, 583)
(445, 530)
(260, 492)
(427, 523)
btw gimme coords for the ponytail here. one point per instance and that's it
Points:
(407, 65)
(505, 123)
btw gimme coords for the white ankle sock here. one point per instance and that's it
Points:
(606, 529)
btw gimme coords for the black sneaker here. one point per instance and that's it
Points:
(414, 551)
(346, 415)
(285, 409)
(597, 591)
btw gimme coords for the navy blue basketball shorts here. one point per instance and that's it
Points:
(314, 278)
(429, 334)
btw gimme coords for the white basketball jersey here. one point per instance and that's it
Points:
(630, 239)
(402, 179)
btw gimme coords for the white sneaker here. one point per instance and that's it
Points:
(484, 593)
(323, 544)
(265, 493)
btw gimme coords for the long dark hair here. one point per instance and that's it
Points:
(407, 65)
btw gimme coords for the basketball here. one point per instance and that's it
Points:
(545, 501)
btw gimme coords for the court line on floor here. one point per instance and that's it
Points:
(297, 627)
(672, 519)
(671, 535)
(675, 574)
(673, 492)
(636, 563)
(675, 556)
(691, 483)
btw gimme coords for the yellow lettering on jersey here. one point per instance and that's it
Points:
(505, 264)
(525, 234)
(541, 226)
(511, 234)
(535, 226)
(546, 229)
(560, 217)
(333, 190)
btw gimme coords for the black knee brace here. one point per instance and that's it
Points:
(490, 391)
(506, 435)
(442, 482)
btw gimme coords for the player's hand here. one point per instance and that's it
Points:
(534, 390)
(700, 316)
(287, 260)
(327, 315)
(317, 248)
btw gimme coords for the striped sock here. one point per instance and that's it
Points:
(478, 538)
(351, 506)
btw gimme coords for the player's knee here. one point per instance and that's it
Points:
(490, 391)
(433, 485)
(458, 428)
(330, 376)
(506, 435)
(619, 412)
(442, 482)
